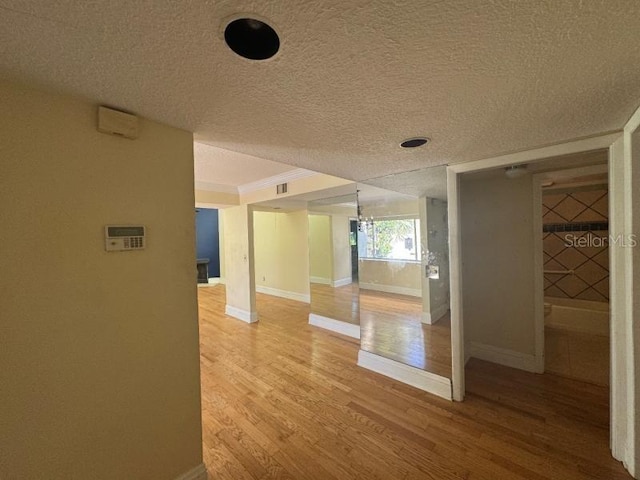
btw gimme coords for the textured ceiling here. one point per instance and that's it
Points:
(426, 182)
(352, 79)
(222, 167)
(553, 164)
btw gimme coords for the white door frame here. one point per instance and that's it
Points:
(621, 282)
(538, 250)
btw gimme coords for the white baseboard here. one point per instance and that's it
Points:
(197, 473)
(435, 315)
(212, 282)
(300, 297)
(413, 292)
(245, 316)
(342, 282)
(416, 377)
(322, 280)
(338, 326)
(503, 356)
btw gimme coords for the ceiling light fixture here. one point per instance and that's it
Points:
(516, 171)
(252, 39)
(414, 142)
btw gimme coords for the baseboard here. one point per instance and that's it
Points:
(416, 377)
(435, 315)
(503, 356)
(413, 292)
(322, 280)
(467, 357)
(212, 282)
(300, 297)
(338, 326)
(245, 316)
(342, 282)
(197, 473)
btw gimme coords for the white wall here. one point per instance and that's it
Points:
(98, 350)
(497, 262)
(282, 254)
(626, 300)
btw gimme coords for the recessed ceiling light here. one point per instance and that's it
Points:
(252, 39)
(414, 142)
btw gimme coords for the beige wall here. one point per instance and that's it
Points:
(497, 261)
(99, 362)
(208, 199)
(299, 186)
(221, 243)
(320, 249)
(391, 276)
(341, 248)
(282, 251)
(239, 260)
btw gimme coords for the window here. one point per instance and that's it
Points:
(395, 239)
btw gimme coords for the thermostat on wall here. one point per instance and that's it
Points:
(124, 237)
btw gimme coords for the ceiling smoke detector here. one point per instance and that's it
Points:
(516, 171)
(252, 39)
(414, 142)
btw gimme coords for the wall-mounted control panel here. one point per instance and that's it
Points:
(433, 271)
(118, 238)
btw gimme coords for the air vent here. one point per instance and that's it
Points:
(282, 188)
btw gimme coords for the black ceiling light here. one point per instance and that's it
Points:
(252, 39)
(414, 142)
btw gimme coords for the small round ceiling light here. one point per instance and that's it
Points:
(252, 39)
(516, 171)
(414, 142)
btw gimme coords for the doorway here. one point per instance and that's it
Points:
(575, 256)
(618, 148)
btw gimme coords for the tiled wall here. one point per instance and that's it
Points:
(568, 219)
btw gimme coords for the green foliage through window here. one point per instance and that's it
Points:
(392, 239)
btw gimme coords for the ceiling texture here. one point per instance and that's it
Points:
(218, 168)
(351, 80)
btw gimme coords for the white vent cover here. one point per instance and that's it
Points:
(118, 123)
(281, 188)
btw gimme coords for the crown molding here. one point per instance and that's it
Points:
(285, 177)
(216, 187)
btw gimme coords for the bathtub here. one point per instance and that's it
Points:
(577, 315)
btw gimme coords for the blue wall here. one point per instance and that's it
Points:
(207, 241)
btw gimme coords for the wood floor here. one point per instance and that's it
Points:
(282, 399)
(339, 303)
(391, 326)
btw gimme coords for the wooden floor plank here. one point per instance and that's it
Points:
(282, 399)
